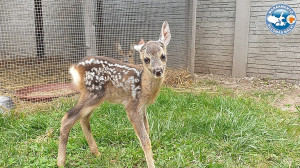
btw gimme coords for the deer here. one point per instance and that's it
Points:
(127, 57)
(100, 79)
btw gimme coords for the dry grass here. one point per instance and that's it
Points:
(179, 78)
(21, 72)
(28, 107)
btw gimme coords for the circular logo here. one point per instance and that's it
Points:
(281, 19)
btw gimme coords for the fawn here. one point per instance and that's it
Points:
(127, 57)
(101, 79)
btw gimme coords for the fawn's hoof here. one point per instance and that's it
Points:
(60, 164)
(96, 154)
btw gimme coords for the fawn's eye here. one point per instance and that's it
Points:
(146, 60)
(163, 57)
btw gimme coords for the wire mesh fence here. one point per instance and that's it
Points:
(39, 40)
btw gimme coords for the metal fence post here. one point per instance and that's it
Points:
(89, 27)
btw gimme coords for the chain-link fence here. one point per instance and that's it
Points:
(39, 40)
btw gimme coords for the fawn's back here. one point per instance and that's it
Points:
(118, 80)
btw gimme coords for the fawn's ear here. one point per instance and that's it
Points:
(118, 48)
(165, 35)
(140, 45)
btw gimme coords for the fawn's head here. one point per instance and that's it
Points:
(153, 54)
(127, 56)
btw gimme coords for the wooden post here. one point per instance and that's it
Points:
(192, 37)
(89, 27)
(241, 33)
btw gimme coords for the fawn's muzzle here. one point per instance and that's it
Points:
(158, 72)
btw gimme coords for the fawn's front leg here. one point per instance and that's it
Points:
(137, 120)
(145, 118)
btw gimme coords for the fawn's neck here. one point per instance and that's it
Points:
(151, 85)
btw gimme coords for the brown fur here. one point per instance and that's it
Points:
(127, 56)
(153, 47)
(106, 79)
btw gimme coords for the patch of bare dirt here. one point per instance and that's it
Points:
(281, 94)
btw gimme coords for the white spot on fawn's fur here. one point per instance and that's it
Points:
(108, 72)
(75, 76)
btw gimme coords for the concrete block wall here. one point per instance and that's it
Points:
(268, 55)
(17, 33)
(271, 55)
(64, 29)
(214, 36)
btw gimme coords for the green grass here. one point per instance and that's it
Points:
(187, 130)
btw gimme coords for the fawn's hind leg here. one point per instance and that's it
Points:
(86, 128)
(82, 110)
(67, 123)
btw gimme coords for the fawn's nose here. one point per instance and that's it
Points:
(158, 72)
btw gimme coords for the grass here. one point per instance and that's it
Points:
(187, 130)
